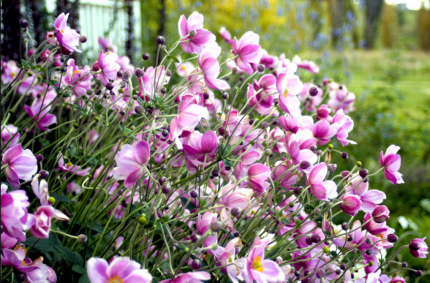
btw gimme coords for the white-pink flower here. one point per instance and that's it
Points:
(247, 50)
(121, 269)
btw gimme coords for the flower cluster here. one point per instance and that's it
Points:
(186, 174)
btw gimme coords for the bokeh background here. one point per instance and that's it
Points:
(379, 49)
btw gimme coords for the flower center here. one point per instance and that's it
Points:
(183, 68)
(62, 31)
(68, 164)
(286, 93)
(257, 264)
(75, 72)
(115, 279)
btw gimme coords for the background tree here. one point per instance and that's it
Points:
(372, 14)
(129, 44)
(423, 21)
(389, 26)
(10, 29)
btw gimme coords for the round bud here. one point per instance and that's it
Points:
(313, 91)
(81, 238)
(51, 200)
(358, 163)
(195, 238)
(166, 189)
(139, 73)
(142, 220)
(165, 133)
(363, 173)
(23, 23)
(342, 266)
(345, 226)
(392, 238)
(350, 238)
(161, 39)
(206, 95)
(43, 174)
(414, 246)
(75, 125)
(109, 86)
(145, 56)
(370, 263)
(344, 155)
(308, 241)
(264, 125)
(193, 194)
(305, 164)
(235, 211)
(330, 146)
(419, 273)
(193, 32)
(126, 75)
(404, 264)
(196, 264)
(326, 249)
(313, 148)
(316, 238)
(369, 241)
(338, 272)
(163, 90)
(327, 242)
(221, 131)
(297, 190)
(139, 109)
(214, 246)
(215, 173)
(234, 70)
(369, 252)
(236, 234)
(83, 39)
(39, 157)
(291, 204)
(260, 68)
(224, 95)
(268, 152)
(215, 180)
(187, 249)
(320, 273)
(319, 152)
(21, 277)
(215, 226)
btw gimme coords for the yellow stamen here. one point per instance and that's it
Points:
(115, 279)
(286, 93)
(62, 31)
(183, 67)
(75, 72)
(257, 264)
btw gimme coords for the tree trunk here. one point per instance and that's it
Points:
(161, 26)
(129, 47)
(10, 44)
(372, 11)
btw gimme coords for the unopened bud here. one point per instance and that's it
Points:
(313, 91)
(193, 32)
(235, 211)
(81, 238)
(51, 200)
(43, 174)
(139, 73)
(305, 164)
(215, 226)
(142, 220)
(260, 68)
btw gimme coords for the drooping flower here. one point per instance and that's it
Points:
(340, 98)
(421, 245)
(258, 175)
(373, 227)
(78, 79)
(210, 67)
(225, 34)
(380, 214)
(17, 258)
(346, 124)
(71, 168)
(67, 37)
(39, 113)
(121, 269)
(9, 133)
(391, 163)
(189, 277)
(131, 160)
(321, 189)
(202, 37)
(289, 85)
(108, 66)
(42, 221)
(184, 69)
(247, 50)
(307, 65)
(201, 147)
(350, 204)
(20, 164)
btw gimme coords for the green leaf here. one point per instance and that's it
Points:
(69, 256)
(286, 221)
(79, 269)
(190, 205)
(60, 198)
(84, 279)
(173, 58)
(46, 246)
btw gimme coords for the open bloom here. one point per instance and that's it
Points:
(321, 189)
(340, 98)
(225, 34)
(346, 124)
(258, 175)
(422, 251)
(289, 85)
(39, 113)
(194, 44)
(42, 221)
(79, 79)
(131, 161)
(17, 259)
(210, 67)
(307, 65)
(9, 132)
(391, 163)
(189, 277)
(350, 204)
(262, 94)
(19, 164)
(184, 69)
(201, 147)
(121, 269)
(108, 66)
(71, 168)
(67, 37)
(247, 50)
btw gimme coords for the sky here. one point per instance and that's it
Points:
(410, 4)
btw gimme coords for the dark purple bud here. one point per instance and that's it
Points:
(165, 133)
(414, 246)
(344, 155)
(344, 173)
(109, 86)
(23, 23)
(83, 39)
(350, 238)
(274, 123)
(325, 81)
(297, 190)
(338, 271)
(39, 157)
(227, 168)
(44, 174)
(369, 252)
(404, 264)
(319, 152)
(235, 211)
(251, 121)
(241, 78)
(193, 194)
(316, 238)
(380, 214)
(139, 109)
(224, 270)
(95, 67)
(320, 273)
(162, 180)
(234, 70)
(236, 234)
(342, 266)
(215, 173)
(419, 273)
(159, 214)
(139, 73)
(305, 164)
(362, 173)
(119, 74)
(341, 87)
(392, 238)
(194, 238)
(166, 189)
(168, 73)
(196, 264)
(308, 241)
(264, 125)
(221, 131)
(313, 148)
(224, 95)
(161, 39)
(260, 68)
(206, 95)
(313, 91)
(215, 226)
(345, 226)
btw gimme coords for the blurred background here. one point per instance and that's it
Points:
(379, 49)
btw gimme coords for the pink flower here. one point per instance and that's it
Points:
(350, 204)
(269, 61)
(184, 69)
(105, 43)
(262, 93)
(346, 124)
(42, 274)
(201, 147)
(189, 277)
(194, 44)
(16, 258)
(67, 38)
(50, 37)
(307, 65)
(131, 160)
(71, 168)
(124, 63)
(421, 245)
(341, 99)
(286, 179)
(225, 34)
(259, 269)
(39, 113)
(9, 71)
(14, 214)
(289, 85)
(79, 80)
(20, 164)
(323, 112)
(42, 221)
(323, 131)
(321, 189)
(369, 198)
(247, 50)
(373, 227)
(108, 66)
(297, 153)
(380, 214)
(9, 133)
(210, 67)
(258, 175)
(391, 163)
(121, 269)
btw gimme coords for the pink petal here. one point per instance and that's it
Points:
(97, 270)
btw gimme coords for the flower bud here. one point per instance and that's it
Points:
(323, 112)
(370, 263)
(313, 91)
(145, 56)
(268, 152)
(319, 152)
(235, 211)
(23, 23)
(344, 155)
(380, 214)
(214, 246)
(320, 273)
(51, 200)
(419, 273)
(193, 194)
(139, 73)
(369, 252)
(221, 131)
(316, 238)
(196, 264)
(234, 70)
(308, 241)
(345, 226)
(142, 220)
(305, 164)
(224, 95)
(166, 189)
(414, 246)
(313, 148)
(109, 86)
(260, 68)
(39, 157)
(338, 272)
(392, 238)
(363, 173)
(369, 241)
(139, 109)
(330, 146)
(264, 125)
(43, 174)
(215, 226)
(83, 39)
(161, 39)
(81, 238)
(163, 90)
(326, 249)
(404, 264)
(95, 68)
(126, 75)
(165, 133)
(215, 180)
(297, 190)
(342, 266)
(358, 163)
(195, 238)
(193, 32)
